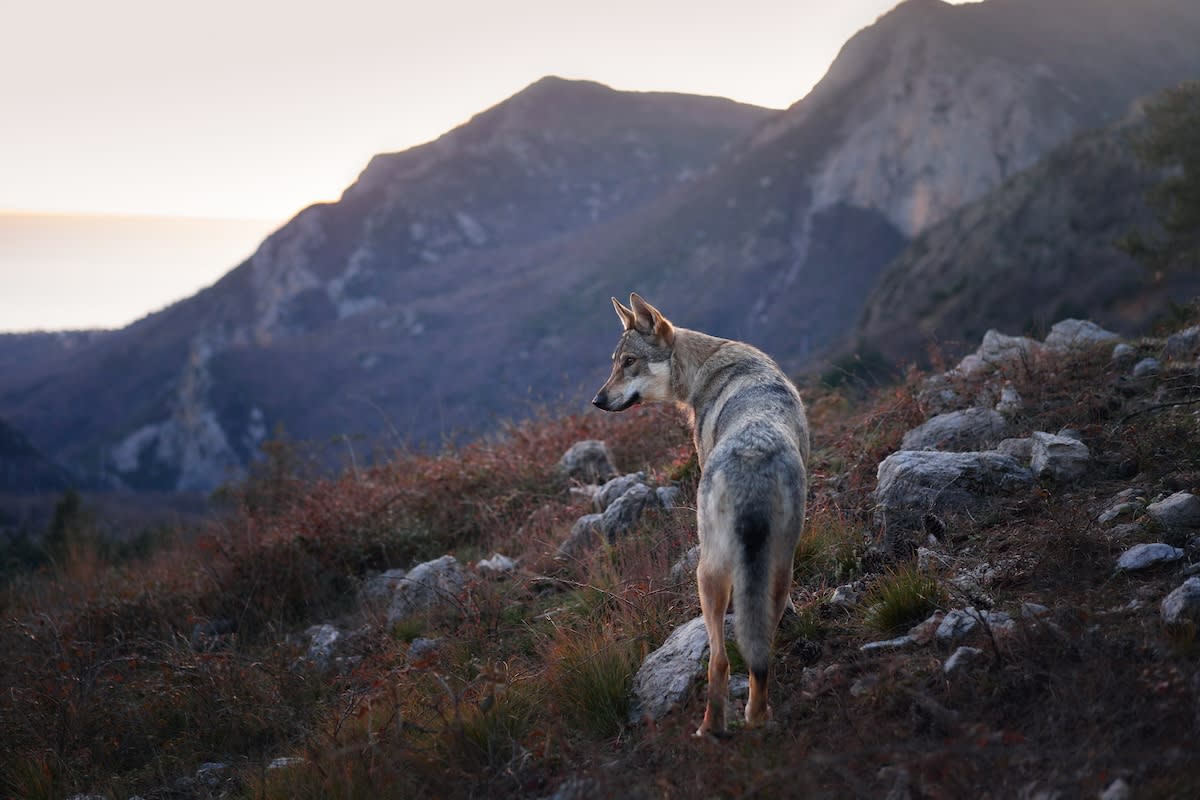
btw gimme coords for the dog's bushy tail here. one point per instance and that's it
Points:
(752, 612)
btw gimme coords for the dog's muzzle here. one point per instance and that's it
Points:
(601, 402)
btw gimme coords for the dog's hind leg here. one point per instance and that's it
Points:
(715, 585)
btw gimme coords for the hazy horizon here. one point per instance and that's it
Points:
(80, 271)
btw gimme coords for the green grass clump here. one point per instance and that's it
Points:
(902, 598)
(591, 681)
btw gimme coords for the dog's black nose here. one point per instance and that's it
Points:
(600, 400)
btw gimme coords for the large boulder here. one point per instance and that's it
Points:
(1180, 510)
(1183, 345)
(1058, 457)
(1182, 606)
(609, 492)
(1147, 555)
(1078, 334)
(426, 586)
(969, 429)
(932, 480)
(589, 461)
(619, 518)
(624, 513)
(585, 535)
(995, 351)
(667, 676)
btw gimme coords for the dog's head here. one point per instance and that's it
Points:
(641, 370)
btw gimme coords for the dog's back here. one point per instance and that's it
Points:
(752, 437)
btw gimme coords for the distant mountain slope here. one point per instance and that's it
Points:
(347, 319)
(1035, 250)
(928, 109)
(23, 468)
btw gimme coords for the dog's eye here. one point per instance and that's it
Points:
(628, 362)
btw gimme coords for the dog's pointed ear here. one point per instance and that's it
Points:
(650, 321)
(627, 316)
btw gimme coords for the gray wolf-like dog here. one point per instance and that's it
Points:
(751, 438)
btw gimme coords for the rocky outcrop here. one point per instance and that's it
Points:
(425, 587)
(665, 679)
(969, 429)
(624, 500)
(1058, 458)
(1079, 334)
(589, 461)
(1147, 555)
(930, 480)
(1182, 605)
(1180, 510)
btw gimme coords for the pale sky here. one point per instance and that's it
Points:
(256, 108)
(253, 109)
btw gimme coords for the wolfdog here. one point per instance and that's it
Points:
(751, 438)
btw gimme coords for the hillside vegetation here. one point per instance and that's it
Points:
(259, 659)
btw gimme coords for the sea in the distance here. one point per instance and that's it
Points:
(69, 271)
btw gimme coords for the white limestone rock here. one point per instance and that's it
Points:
(1058, 457)
(1145, 556)
(969, 429)
(1078, 334)
(1180, 510)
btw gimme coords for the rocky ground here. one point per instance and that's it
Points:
(997, 594)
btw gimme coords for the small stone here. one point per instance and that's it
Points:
(323, 640)
(1058, 458)
(285, 762)
(669, 496)
(961, 623)
(589, 461)
(421, 648)
(1033, 610)
(685, 567)
(1078, 334)
(584, 536)
(1010, 401)
(1071, 433)
(898, 643)
(1144, 556)
(610, 491)
(1126, 530)
(1116, 512)
(924, 632)
(1180, 510)
(1117, 790)
(957, 624)
(845, 596)
(1183, 344)
(864, 685)
(378, 590)
(1020, 449)
(1146, 368)
(1123, 354)
(427, 586)
(496, 566)
(961, 657)
(1183, 604)
(929, 560)
(211, 774)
